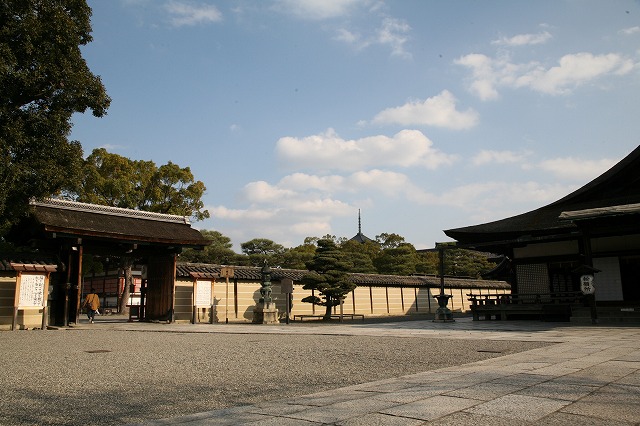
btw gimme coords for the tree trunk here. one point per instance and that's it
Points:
(128, 281)
(327, 315)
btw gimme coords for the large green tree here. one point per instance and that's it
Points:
(297, 257)
(466, 263)
(113, 180)
(219, 252)
(328, 276)
(44, 80)
(361, 255)
(260, 250)
(400, 260)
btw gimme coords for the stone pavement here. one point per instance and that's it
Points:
(590, 376)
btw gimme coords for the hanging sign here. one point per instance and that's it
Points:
(32, 287)
(203, 294)
(586, 284)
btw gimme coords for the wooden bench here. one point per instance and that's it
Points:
(545, 307)
(335, 316)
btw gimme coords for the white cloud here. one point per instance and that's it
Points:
(523, 39)
(387, 183)
(500, 196)
(261, 192)
(393, 33)
(572, 71)
(437, 111)
(185, 13)
(327, 151)
(305, 186)
(630, 30)
(497, 157)
(577, 169)
(486, 74)
(380, 29)
(303, 181)
(318, 9)
(221, 212)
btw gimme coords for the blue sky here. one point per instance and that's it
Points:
(426, 115)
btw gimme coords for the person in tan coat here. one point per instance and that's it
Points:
(92, 303)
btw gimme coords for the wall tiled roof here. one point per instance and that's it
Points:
(26, 262)
(184, 270)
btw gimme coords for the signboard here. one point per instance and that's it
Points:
(586, 284)
(286, 285)
(32, 287)
(226, 272)
(203, 293)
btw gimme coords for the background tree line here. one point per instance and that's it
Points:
(388, 254)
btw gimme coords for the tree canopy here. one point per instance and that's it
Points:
(44, 81)
(113, 180)
(260, 249)
(219, 252)
(328, 276)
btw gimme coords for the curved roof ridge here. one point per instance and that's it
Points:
(108, 210)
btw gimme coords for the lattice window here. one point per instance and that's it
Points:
(533, 278)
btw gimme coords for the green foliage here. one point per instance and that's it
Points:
(91, 265)
(114, 180)
(428, 263)
(260, 249)
(466, 263)
(400, 260)
(218, 252)
(361, 255)
(389, 241)
(297, 257)
(44, 80)
(328, 276)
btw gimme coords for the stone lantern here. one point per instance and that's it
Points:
(265, 311)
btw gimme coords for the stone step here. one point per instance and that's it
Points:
(607, 315)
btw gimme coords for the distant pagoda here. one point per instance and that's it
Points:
(360, 237)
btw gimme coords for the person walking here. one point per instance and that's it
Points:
(92, 303)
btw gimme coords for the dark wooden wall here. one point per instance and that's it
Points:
(161, 271)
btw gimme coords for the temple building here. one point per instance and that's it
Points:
(596, 227)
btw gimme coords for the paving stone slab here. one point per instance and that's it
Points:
(416, 393)
(632, 379)
(277, 408)
(468, 419)
(556, 390)
(485, 391)
(522, 379)
(377, 419)
(282, 421)
(612, 402)
(566, 419)
(342, 410)
(519, 407)
(431, 408)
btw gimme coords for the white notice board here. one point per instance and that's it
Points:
(32, 287)
(203, 293)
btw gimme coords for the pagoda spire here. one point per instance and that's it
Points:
(360, 237)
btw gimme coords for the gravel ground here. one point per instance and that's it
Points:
(110, 377)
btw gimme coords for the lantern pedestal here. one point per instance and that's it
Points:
(443, 314)
(265, 313)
